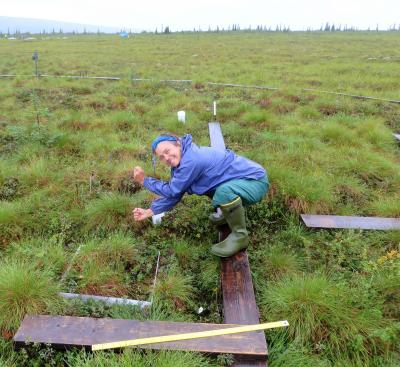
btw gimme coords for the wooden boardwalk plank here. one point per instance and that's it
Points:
(216, 138)
(239, 300)
(334, 221)
(237, 286)
(64, 332)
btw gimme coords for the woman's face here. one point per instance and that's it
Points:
(169, 153)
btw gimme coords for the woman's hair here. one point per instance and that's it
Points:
(174, 139)
(172, 135)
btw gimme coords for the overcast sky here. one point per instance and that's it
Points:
(187, 14)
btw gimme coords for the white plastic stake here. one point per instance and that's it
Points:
(181, 116)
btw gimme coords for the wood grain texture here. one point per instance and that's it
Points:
(237, 286)
(239, 300)
(64, 332)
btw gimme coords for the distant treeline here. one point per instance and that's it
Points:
(232, 28)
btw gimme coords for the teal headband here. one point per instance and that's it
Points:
(161, 138)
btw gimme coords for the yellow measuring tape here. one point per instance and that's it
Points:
(187, 336)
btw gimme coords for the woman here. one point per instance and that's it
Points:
(231, 180)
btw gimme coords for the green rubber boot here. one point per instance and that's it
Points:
(239, 238)
(217, 218)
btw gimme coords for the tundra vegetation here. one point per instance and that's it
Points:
(67, 147)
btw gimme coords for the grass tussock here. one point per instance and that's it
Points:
(103, 281)
(174, 290)
(42, 253)
(68, 146)
(109, 211)
(278, 262)
(100, 265)
(323, 316)
(118, 247)
(11, 219)
(139, 359)
(24, 289)
(295, 356)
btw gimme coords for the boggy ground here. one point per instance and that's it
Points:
(66, 148)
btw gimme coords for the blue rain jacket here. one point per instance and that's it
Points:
(200, 171)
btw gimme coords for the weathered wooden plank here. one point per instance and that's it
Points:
(237, 286)
(239, 300)
(237, 329)
(335, 221)
(397, 136)
(249, 361)
(64, 332)
(216, 138)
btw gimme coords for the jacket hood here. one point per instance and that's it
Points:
(186, 143)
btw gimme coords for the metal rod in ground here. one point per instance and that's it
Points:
(162, 80)
(209, 83)
(82, 77)
(155, 277)
(64, 276)
(108, 300)
(188, 336)
(242, 86)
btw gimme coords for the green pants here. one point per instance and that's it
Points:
(250, 191)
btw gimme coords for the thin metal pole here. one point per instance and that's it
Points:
(242, 86)
(64, 276)
(208, 83)
(155, 278)
(351, 95)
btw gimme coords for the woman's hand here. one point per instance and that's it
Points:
(138, 175)
(141, 214)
